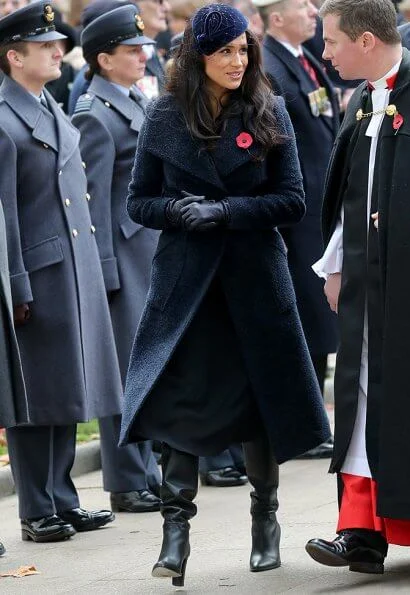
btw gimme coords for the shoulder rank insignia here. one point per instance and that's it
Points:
(84, 103)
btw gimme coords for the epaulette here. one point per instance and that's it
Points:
(84, 103)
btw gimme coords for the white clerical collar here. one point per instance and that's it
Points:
(384, 82)
(294, 51)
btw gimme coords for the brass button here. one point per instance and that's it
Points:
(83, 164)
(67, 202)
(45, 145)
(107, 104)
(87, 196)
(75, 233)
(92, 229)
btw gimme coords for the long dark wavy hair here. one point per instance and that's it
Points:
(253, 100)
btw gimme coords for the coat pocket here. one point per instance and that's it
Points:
(43, 254)
(129, 228)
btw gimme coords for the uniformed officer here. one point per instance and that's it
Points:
(109, 117)
(60, 308)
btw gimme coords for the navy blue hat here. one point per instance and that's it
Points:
(121, 26)
(34, 22)
(215, 25)
(98, 7)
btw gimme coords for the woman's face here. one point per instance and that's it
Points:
(225, 68)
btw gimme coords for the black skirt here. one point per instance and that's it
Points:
(203, 401)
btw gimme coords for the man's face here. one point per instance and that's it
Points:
(344, 54)
(40, 64)
(9, 6)
(298, 20)
(154, 14)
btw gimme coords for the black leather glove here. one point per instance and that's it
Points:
(174, 207)
(204, 215)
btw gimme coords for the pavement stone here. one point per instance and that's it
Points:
(118, 558)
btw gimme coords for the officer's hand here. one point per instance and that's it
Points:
(332, 290)
(21, 314)
(174, 207)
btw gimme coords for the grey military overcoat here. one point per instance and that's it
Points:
(67, 346)
(13, 403)
(109, 123)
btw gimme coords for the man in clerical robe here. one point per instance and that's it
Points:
(366, 215)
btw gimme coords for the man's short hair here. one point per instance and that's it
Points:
(18, 46)
(357, 16)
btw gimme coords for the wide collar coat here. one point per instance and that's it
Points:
(248, 256)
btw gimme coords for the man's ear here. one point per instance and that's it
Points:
(15, 58)
(367, 41)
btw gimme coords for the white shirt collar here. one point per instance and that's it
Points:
(121, 88)
(294, 51)
(381, 82)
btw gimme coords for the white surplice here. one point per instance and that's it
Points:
(356, 462)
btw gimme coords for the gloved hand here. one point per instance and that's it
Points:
(173, 207)
(204, 215)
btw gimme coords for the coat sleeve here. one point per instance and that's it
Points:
(145, 203)
(98, 151)
(284, 203)
(19, 278)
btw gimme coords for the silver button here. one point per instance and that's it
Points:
(60, 172)
(45, 145)
(92, 229)
(107, 104)
(83, 164)
(75, 233)
(67, 202)
(87, 196)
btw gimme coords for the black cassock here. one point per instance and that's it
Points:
(375, 270)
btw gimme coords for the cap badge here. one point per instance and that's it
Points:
(48, 15)
(139, 23)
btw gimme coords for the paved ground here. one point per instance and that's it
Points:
(118, 559)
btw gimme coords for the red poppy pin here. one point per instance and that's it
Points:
(244, 140)
(397, 121)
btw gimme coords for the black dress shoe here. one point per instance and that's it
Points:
(349, 549)
(323, 451)
(223, 478)
(50, 528)
(2, 549)
(85, 520)
(137, 501)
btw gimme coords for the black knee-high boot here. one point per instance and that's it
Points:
(263, 474)
(178, 490)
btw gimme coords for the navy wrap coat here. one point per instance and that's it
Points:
(67, 346)
(109, 123)
(249, 258)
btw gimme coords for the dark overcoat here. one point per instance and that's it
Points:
(387, 428)
(67, 346)
(109, 123)
(13, 402)
(249, 258)
(314, 140)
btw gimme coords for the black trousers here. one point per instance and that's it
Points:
(41, 459)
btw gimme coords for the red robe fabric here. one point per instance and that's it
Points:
(358, 511)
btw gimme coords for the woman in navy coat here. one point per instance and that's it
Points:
(219, 355)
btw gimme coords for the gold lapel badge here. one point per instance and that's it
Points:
(390, 110)
(48, 15)
(139, 23)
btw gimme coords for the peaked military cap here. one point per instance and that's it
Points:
(121, 26)
(34, 22)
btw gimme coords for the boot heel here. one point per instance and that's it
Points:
(367, 567)
(24, 536)
(178, 581)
